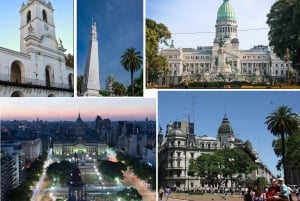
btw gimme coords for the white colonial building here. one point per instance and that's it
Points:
(181, 144)
(224, 61)
(39, 69)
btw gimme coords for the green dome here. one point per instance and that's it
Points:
(226, 12)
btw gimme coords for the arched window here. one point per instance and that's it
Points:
(28, 16)
(47, 72)
(44, 16)
(70, 81)
(15, 74)
(17, 94)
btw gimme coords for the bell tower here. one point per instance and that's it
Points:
(37, 26)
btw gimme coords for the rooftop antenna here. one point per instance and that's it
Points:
(193, 109)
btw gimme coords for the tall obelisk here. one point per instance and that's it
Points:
(91, 82)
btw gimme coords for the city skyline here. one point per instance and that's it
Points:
(63, 19)
(193, 23)
(65, 109)
(119, 26)
(246, 111)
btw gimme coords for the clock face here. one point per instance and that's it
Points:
(46, 27)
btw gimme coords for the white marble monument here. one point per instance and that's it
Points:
(91, 82)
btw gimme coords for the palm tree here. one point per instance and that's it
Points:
(280, 122)
(131, 61)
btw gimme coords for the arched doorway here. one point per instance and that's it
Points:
(51, 95)
(70, 81)
(48, 74)
(16, 72)
(17, 94)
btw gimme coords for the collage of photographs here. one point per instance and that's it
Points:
(151, 100)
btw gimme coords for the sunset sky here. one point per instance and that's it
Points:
(67, 109)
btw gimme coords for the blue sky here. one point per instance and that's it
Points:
(119, 26)
(191, 16)
(246, 110)
(10, 23)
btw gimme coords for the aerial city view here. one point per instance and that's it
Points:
(71, 149)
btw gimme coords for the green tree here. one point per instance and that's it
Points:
(261, 182)
(207, 166)
(112, 170)
(138, 85)
(79, 83)
(281, 122)
(22, 192)
(119, 89)
(283, 20)
(293, 149)
(131, 61)
(60, 172)
(235, 161)
(156, 33)
(69, 60)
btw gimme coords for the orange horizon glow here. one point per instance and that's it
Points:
(67, 109)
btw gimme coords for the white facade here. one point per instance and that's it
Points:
(224, 61)
(39, 69)
(181, 144)
(32, 149)
(91, 81)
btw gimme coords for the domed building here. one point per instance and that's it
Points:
(181, 144)
(79, 141)
(225, 134)
(224, 61)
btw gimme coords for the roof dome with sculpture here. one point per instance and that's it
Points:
(226, 12)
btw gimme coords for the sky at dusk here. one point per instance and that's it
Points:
(246, 110)
(10, 23)
(192, 16)
(57, 109)
(119, 26)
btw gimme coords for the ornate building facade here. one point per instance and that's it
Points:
(79, 143)
(181, 144)
(39, 69)
(224, 61)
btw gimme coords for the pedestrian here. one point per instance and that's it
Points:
(161, 193)
(167, 192)
(248, 196)
(284, 190)
(273, 189)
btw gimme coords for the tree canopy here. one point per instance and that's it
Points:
(284, 20)
(156, 33)
(282, 121)
(224, 162)
(112, 170)
(131, 60)
(60, 172)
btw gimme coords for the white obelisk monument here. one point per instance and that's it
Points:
(91, 82)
